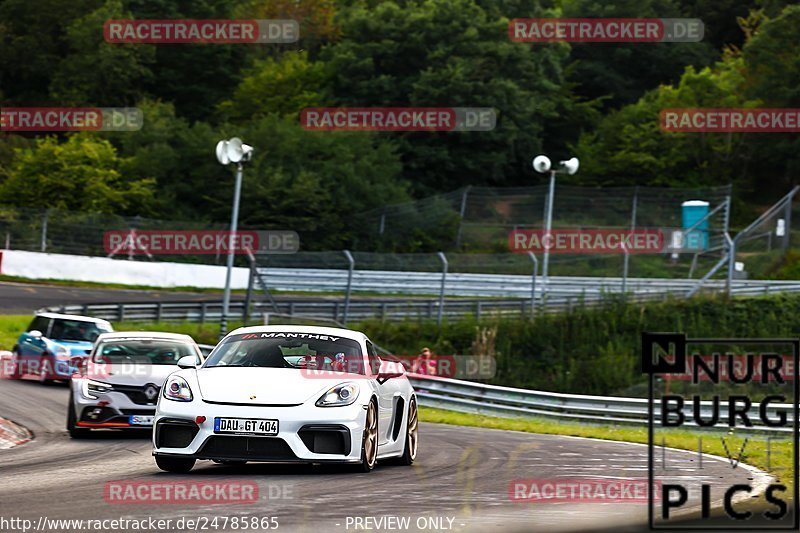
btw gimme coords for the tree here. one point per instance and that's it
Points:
(97, 73)
(81, 174)
(314, 17)
(193, 77)
(315, 183)
(629, 147)
(284, 86)
(451, 53)
(620, 73)
(32, 40)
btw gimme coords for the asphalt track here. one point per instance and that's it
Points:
(23, 298)
(461, 474)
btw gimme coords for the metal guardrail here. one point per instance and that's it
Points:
(478, 398)
(564, 294)
(332, 310)
(496, 285)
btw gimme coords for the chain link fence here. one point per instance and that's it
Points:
(472, 226)
(79, 233)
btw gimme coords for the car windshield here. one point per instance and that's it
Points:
(143, 351)
(289, 350)
(77, 330)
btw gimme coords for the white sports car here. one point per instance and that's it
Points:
(287, 394)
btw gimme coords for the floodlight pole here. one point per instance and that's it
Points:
(226, 300)
(548, 226)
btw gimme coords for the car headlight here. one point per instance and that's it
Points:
(90, 387)
(60, 351)
(177, 389)
(341, 394)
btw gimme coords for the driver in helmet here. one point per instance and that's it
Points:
(339, 362)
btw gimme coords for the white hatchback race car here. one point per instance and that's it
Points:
(119, 384)
(287, 394)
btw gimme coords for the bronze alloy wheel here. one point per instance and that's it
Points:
(413, 430)
(371, 437)
(369, 443)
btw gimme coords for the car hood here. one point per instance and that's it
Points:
(130, 374)
(260, 386)
(75, 347)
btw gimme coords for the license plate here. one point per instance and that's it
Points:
(140, 420)
(248, 426)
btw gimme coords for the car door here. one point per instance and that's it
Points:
(31, 347)
(388, 397)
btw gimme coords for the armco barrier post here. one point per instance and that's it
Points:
(627, 257)
(351, 265)
(45, 217)
(441, 291)
(461, 215)
(548, 227)
(249, 294)
(787, 224)
(533, 282)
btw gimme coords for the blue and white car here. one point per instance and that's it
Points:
(55, 345)
(287, 394)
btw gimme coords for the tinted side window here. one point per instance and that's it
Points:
(39, 323)
(374, 360)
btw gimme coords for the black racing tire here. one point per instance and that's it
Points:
(177, 465)
(369, 442)
(75, 432)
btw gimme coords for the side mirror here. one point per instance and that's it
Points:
(35, 333)
(188, 361)
(390, 370)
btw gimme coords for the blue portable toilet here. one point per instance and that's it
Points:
(691, 212)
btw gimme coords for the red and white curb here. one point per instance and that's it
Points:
(11, 434)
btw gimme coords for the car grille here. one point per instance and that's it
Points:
(136, 393)
(253, 448)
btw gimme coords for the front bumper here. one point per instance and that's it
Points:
(306, 433)
(111, 410)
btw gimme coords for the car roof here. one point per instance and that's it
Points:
(293, 328)
(79, 318)
(145, 335)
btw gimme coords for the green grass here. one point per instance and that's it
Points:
(10, 328)
(779, 463)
